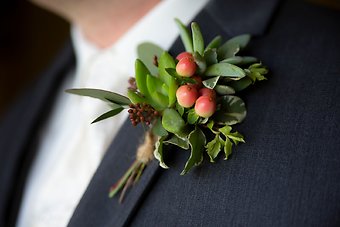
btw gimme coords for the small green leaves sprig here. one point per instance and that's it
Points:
(189, 101)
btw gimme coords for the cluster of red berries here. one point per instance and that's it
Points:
(188, 95)
(139, 113)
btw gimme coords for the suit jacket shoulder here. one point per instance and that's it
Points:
(287, 174)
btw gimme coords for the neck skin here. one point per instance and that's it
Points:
(103, 22)
(106, 27)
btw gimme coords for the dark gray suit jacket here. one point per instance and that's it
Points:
(288, 172)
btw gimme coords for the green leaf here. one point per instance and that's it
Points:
(141, 75)
(158, 129)
(203, 120)
(172, 121)
(225, 69)
(158, 101)
(211, 83)
(238, 60)
(196, 141)
(135, 97)
(241, 84)
(146, 52)
(241, 40)
(213, 148)
(180, 109)
(197, 38)
(232, 46)
(108, 114)
(225, 130)
(232, 111)
(215, 43)
(210, 57)
(185, 36)
(192, 117)
(224, 90)
(181, 80)
(200, 61)
(227, 148)
(256, 72)
(153, 84)
(106, 96)
(175, 140)
(236, 137)
(167, 61)
(228, 51)
(158, 153)
(210, 124)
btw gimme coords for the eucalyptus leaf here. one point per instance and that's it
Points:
(211, 83)
(210, 56)
(158, 153)
(213, 148)
(226, 70)
(214, 43)
(224, 90)
(106, 96)
(197, 38)
(197, 141)
(108, 114)
(241, 84)
(232, 110)
(232, 46)
(238, 60)
(175, 140)
(146, 52)
(228, 51)
(172, 121)
(200, 61)
(185, 36)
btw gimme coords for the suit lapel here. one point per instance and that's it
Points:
(20, 133)
(95, 208)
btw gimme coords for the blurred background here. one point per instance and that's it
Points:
(30, 37)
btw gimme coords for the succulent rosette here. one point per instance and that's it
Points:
(189, 101)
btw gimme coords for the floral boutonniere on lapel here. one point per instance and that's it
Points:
(189, 101)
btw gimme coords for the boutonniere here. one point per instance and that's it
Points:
(189, 101)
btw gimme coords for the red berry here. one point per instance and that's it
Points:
(207, 92)
(186, 67)
(184, 55)
(205, 106)
(198, 83)
(186, 95)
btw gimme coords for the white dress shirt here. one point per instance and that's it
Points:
(70, 147)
